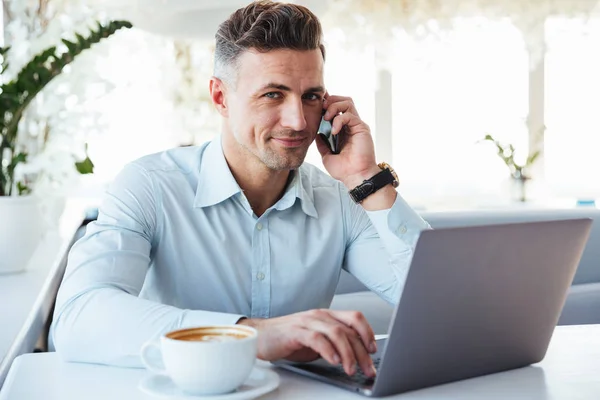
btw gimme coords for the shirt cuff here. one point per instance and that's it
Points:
(398, 222)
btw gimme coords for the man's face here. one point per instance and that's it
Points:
(275, 107)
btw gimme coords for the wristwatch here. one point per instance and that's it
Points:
(387, 176)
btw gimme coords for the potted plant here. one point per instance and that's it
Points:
(519, 172)
(19, 217)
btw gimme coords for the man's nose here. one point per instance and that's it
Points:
(293, 117)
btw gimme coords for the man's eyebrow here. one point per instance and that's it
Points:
(278, 86)
(273, 85)
(316, 89)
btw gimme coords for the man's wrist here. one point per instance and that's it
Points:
(251, 322)
(383, 199)
(354, 180)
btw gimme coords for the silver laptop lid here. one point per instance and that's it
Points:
(479, 300)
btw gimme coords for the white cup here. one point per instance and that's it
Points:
(204, 360)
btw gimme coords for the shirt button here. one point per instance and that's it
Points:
(402, 229)
(259, 226)
(260, 276)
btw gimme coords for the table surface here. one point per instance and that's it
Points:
(26, 298)
(570, 370)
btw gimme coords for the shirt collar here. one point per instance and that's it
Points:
(215, 181)
(298, 188)
(217, 184)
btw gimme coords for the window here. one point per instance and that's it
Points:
(449, 94)
(572, 98)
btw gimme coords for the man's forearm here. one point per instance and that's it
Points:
(108, 326)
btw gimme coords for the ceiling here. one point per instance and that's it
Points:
(196, 19)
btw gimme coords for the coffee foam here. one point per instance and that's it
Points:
(209, 334)
(220, 338)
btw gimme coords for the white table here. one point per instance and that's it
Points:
(26, 298)
(571, 370)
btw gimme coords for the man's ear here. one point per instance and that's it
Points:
(218, 95)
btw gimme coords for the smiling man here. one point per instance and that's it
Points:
(240, 230)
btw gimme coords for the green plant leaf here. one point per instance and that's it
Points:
(23, 189)
(80, 39)
(10, 170)
(16, 160)
(85, 167)
(506, 153)
(72, 47)
(16, 95)
(532, 157)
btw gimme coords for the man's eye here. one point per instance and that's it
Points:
(312, 96)
(273, 95)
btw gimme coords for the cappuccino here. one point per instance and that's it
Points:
(209, 334)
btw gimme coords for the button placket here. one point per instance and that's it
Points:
(261, 287)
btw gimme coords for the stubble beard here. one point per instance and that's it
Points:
(289, 160)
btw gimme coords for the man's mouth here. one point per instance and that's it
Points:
(289, 142)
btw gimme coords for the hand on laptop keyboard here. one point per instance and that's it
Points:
(340, 337)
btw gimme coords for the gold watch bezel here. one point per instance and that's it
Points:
(384, 165)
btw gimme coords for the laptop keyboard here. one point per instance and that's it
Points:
(358, 377)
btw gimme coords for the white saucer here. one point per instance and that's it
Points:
(260, 381)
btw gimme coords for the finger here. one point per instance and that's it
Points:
(339, 335)
(347, 119)
(357, 321)
(319, 343)
(362, 356)
(333, 98)
(341, 104)
(340, 107)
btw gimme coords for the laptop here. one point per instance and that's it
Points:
(477, 300)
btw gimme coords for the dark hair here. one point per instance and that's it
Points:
(265, 25)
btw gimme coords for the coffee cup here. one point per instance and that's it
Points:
(205, 360)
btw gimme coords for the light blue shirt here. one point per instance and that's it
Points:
(176, 244)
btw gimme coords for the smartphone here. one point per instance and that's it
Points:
(325, 132)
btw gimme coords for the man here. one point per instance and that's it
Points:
(239, 230)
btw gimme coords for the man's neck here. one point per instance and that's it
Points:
(262, 191)
(262, 186)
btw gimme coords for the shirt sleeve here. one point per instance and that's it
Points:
(380, 245)
(98, 316)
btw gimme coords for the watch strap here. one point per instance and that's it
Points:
(370, 186)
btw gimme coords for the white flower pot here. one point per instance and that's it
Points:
(21, 229)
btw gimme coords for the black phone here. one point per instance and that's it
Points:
(325, 132)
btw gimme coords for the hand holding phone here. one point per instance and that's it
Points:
(324, 132)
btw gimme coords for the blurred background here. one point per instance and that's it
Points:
(431, 78)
